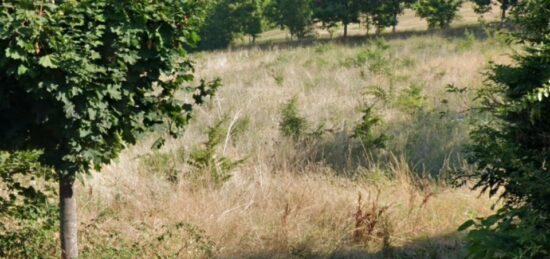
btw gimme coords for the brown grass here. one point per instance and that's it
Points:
(282, 203)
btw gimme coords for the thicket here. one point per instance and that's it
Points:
(511, 149)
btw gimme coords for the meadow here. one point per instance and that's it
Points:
(273, 166)
(320, 148)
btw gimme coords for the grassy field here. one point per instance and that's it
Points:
(252, 192)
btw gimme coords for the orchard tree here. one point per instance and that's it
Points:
(331, 12)
(438, 13)
(511, 150)
(295, 15)
(80, 80)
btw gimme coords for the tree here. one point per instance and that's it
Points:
(218, 28)
(250, 17)
(295, 15)
(80, 80)
(384, 13)
(227, 19)
(438, 13)
(511, 150)
(484, 6)
(330, 12)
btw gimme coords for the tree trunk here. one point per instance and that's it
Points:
(503, 14)
(68, 218)
(394, 25)
(345, 30)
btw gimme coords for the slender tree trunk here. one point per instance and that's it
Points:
(68, 218)
(394, 25)
(503, 14)
(345, 31)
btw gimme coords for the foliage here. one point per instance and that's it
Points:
(252, 21)
(227, 19)
(91, 76)
(82, 79)
(292, 124)
(206, 158)
(364, 130)
(411, 100)
(330, 12)
(484, 6)
(218, 29)
(28, 217)
(295, 15)
(438, 13)
(383, 13)
(511, 150)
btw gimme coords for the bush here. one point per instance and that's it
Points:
(512, 149)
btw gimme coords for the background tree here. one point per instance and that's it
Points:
(385, 12)
(82, 79)
(438, 13)
(295, 15)
(330, 12)
(512, 150)
(484, 6)
(219, 26)
(250, 17)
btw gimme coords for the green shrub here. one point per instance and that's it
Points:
(292, 124)
(206, 159)
(364, 131)
(411, 100)
(511, 150)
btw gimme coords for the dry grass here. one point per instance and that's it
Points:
(281, 203)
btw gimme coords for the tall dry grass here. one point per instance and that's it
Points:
(282, 202)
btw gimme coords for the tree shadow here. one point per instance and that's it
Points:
(479, 31)
(444, 247)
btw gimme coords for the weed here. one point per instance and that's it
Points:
(367, 219)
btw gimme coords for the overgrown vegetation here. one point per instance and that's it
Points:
(331, 150)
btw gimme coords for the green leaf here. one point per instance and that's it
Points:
(466, 225)
(46, 61)
(21, 70)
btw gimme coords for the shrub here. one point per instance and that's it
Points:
(205, 159)
(364, 131)
(292, 124)
(511, 150)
